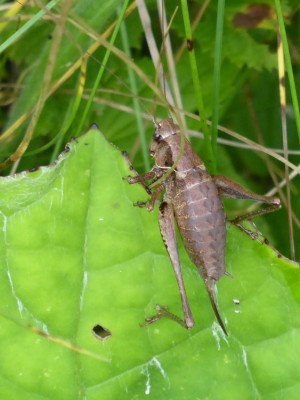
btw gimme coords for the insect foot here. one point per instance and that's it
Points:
(164, 312)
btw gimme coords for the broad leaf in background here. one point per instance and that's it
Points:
(75, 254)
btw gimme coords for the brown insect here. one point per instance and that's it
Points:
(193, 197)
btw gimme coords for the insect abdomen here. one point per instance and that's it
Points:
(201, 221)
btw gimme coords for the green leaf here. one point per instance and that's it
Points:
(75, 253)
(33, 49)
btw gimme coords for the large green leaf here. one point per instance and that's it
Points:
(75, 253)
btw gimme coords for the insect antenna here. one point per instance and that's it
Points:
(155, 56)
(166, 49)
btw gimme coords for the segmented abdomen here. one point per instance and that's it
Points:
(201, 221)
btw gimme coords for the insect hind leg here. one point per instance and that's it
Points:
(256, 213)
(167, 228)
(232, 190)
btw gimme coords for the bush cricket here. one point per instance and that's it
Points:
(193, 198)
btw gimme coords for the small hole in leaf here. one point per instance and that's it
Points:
(101, 333)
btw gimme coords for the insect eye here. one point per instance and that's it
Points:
(157, 137)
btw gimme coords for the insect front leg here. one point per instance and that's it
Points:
(154, 174)
(138, 178)
(154, 195)
(232, 190)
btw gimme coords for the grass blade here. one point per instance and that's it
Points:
(136, 103)
(26, 26)
(288, 62)
(217, 76)
(211, 162)
(101, 70)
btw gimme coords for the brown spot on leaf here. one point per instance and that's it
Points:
(190, 44)
(39, 332)
(253, 16)
(101, 333)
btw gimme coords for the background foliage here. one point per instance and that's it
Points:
(249, 102)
